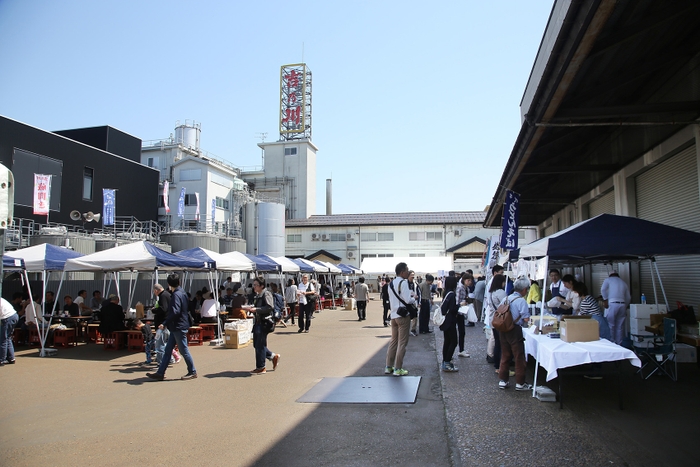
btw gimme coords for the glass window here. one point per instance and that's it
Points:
(190, 200)
(369, 256)
(220, 203)
(521, 234)
(337, 237)
(416, 236)
(190, 174)
(416, 255)
(433, 235)
(386, 237)
(385, 255)
(153, 162)
(87, 183)
(368, 237)
(294, 238)
(290, 151)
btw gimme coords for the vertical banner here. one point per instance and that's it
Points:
(108, 206)
(509, 229)
(213, 215)
(42, 194)
(196, 214)
(166, 189)
(181, 204)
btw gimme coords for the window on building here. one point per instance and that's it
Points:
(191, 224)
(521, 235)
(385, 255)
(190, 200)
(294, 238)
(423, 236)
(161, 201)
(385, 237)
(416, 255)
(290, 151)
(368, 237)
(433, 235)
(337, 237)
(571, 218)
(152, 162)
(87, 183)
(221, 203)
(190, 175)
(368, 256)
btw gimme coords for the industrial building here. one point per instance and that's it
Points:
(610, 125)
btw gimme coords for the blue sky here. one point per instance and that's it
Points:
(415, 103)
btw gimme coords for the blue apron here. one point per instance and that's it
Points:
(559, 311)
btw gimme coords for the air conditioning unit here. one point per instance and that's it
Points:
(324, 237)
(351, 254)
(348, 237)
(314, 237)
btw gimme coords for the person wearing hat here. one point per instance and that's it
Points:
(208, 310)
(112, 316)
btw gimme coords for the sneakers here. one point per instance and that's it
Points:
(156, 376)
(189, 376)
(503, 384)
(388, 370)
(400, 372)
(300, 330)
(413, 333)
(449, 367)
(523, 387)
(464, 353)
(259, 371)
(275, 361)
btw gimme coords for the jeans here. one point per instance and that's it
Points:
(512, 345)
(305, 314)
(399, 339)
(7, 350)
(292, 310)
(179, 337)
(424, 316)
(148, 346)
(362, 309)
(260, 344)
(449, 344)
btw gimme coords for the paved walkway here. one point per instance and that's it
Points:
(88, 406)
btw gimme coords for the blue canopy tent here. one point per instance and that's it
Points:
(347, 270)
(264, 263)
(303, 267)
(43, 258)
(610, 238)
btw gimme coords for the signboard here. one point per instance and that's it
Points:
(196, 214)
(181, 204)
(42, 194)
(295, 101)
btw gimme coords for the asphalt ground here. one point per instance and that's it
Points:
(88, 406)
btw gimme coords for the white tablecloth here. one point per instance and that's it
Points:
(555, 353)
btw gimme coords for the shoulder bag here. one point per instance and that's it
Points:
(407, 309)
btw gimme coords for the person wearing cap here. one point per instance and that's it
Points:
(178, 323)
(616, 297)
(162, 304)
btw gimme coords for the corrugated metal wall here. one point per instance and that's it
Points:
(599, 272)
(669, 194)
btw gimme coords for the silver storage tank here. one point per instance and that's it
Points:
(271, 229)
(229, 244)
(79, 243)
(185, 240)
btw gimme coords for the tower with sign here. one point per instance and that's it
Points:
(295, 102)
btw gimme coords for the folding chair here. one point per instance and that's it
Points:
(660, 354)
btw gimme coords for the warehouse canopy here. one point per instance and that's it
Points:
(611, 81)
(608, 237)
(422, 265)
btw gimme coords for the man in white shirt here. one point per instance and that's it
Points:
(400, 324)
(80, 300)
(616, 297)
(361, 295)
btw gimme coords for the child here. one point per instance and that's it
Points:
(161, 339)
(147, 338)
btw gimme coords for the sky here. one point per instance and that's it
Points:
(415, 103)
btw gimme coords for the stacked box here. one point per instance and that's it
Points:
(686, 353)
(236, 339)
(645, 311)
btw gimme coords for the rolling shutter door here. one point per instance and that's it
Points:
(668, 194)
(599, 272)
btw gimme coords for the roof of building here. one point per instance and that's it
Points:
(393, 218)
(465, 243)
(325, 253)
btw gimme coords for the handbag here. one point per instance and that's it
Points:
(502, 320)
(438, 317)
(471, 314)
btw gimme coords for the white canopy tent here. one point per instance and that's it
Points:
(421, 265)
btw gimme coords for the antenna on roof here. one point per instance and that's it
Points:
(262, 136)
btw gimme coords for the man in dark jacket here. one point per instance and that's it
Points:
(178, 323)
(264, 306)
(112, 316)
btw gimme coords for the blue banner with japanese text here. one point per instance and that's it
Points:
(108, 206)
(509, 229)
(181, 204)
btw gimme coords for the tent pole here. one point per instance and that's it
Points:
(132, 291)
(537, 359)
(653, 284)
(662, 286)
(116, 285)
(60, 284)
(43, 332)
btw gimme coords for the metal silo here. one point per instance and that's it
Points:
(270, 229)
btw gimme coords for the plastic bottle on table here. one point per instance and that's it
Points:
(644, 299)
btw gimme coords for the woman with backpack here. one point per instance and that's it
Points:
(449, 326)
(497, 293)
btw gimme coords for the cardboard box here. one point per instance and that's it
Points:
(686, 353)
(549, 323)
(637, 326)
(579, 330)
(644, 311)
(692, 329)
(236, 339)
(349, 303)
